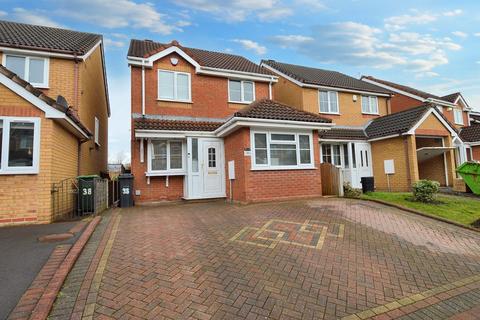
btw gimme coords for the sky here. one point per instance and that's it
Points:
(432, 45)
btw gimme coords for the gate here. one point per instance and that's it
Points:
(332, 180)
(74, 197)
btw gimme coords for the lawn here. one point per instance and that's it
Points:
(459, 209)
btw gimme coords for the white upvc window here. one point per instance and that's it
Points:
(174, 86)
(458, 116)
(240, 91)
(328, 102)
(97, 131)
(281, 150)
(166, 156)
(337, 154)
(19, 145)
(369, 105)
(31, 69)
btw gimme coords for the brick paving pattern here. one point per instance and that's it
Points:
(316, 259)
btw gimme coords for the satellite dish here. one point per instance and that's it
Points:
(62, 101)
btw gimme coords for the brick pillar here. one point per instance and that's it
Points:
(450, 160)
(411, 152)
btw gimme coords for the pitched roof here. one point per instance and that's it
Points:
(471, 133)
(32, 37)
(69, 112)
(451, 97)
(416, 92)
(475, 116)
(322, 77)
(344, 134)
(395, 123)
(174, 125)
(205, 58)
(273, 110)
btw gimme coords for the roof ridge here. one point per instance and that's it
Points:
(48, 27)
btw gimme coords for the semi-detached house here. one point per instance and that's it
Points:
(369, 138)
(54, 113)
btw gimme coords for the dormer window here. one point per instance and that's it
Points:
(174, 86)
(241, 91)
(31, 69)
(458, 116)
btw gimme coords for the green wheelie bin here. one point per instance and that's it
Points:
(470, 172)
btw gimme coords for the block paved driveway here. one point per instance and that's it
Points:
(312, 259)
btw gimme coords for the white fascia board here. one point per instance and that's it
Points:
(313, 86)
(395, 90)
(237, 74)
(73, 127)
(171, 134)
(148, 62)
(441, 102)
(472, 144)
(341, 140)
(237, 122)
(439, 117)
(460, 98)
(386, 137)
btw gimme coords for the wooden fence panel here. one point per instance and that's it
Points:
(330, 179)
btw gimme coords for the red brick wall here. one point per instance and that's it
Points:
(157, 189)
(209, 94)
(476, 153)
(400, 102)
(266, 185)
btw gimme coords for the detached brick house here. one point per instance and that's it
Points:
(198, 115)
(54, 113)
(368, 138)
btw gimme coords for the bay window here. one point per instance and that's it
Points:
(272, 150)
(369, 105)
(174, 86)
(166, 156)
(19, 145)
(458, 116)
(328, 101)
(31, 69)
(241, 91)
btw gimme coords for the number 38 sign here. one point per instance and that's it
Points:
(87, 191)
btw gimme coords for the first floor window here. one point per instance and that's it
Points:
(458, 116)
(241, 91)
(19, 145)
(31, 69)
(166, 155)
(173, 85)
(279, 150)
(369, 104)
(328, 101)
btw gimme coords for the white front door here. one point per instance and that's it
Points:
(363, 159)
(206, 174)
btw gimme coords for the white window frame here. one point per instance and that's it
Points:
(168, 171)
(242, 91)
(175, 89)
(329, 103)
(370, 106)
(458, 112)
(46, 68)
(4, 167)
(268, 165)
(97, 131)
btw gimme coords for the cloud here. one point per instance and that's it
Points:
(117, 14)
(312, 4)
(402, 21)
(33, 17)
(238, 10)
(358, 44)
(477, 34)
(2, 13)
(460, 34)
(453, 13)
(113, 43)
(251, 45)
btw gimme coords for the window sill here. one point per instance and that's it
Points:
(18, 172)
(283, 168)
(240, 102)
(370, 114)
(40, 86)
(165, 173)
(177, 101)
(331, 113)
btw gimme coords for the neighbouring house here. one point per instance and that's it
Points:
(205, 125)
(115, 169)
(54, 113)
(367, 139)
(453, 106)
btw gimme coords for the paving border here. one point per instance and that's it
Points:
(397, 206)
(38, 302)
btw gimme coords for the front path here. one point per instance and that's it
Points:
(315, 259)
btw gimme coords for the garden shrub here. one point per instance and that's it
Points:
(350, 192)
(425, 190)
